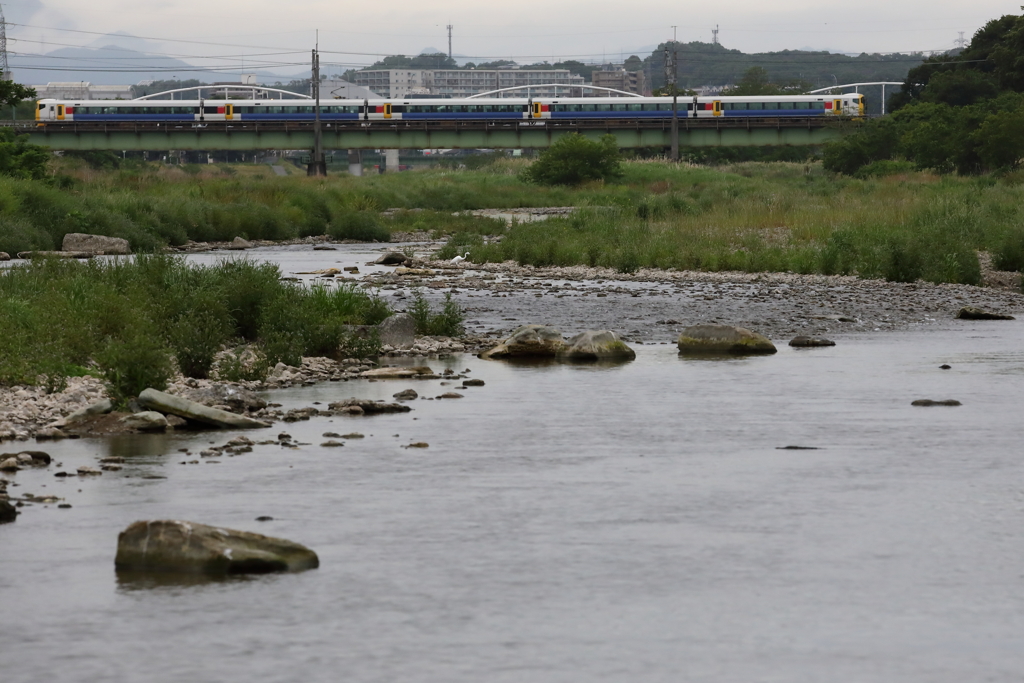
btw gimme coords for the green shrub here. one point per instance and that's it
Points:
(574, 159)
(247, 364)
(448, 322)
(135, 362)
(195, 340)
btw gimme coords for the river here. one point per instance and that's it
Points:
(570, 523)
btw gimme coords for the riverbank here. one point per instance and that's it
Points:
(748, 217)
(647, 307)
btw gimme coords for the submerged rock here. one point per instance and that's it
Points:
(723, 339)
(397, 373)
(806, 342)
(407, 395)
(95, 244)
(182, 407)
(366, 406)
(176, 546)
(596, 345)
(8, 513)
(529, 341)
(930, 402)
(975, 313)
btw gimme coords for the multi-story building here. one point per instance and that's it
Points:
(620, 79)
(399, 83)
(83, 90)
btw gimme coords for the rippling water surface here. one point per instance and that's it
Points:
(571, 524)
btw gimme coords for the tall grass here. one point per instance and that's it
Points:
(127, 319)
(777, 217)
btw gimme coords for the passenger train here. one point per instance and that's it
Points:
(53, 111)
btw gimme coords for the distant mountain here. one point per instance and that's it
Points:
(114, 63)
(107, 65)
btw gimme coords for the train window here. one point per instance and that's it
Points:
(817, 105)
(770, 105)
(785, 105)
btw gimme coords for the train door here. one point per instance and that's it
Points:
(202, 109)
(229, 111)
(538, 109)
(694, 107)
(837, 107)
(387, 110)
(716, 108)
(40, 111)
(60, 112)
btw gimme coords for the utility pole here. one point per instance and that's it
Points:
(671, 60)
(450, 41)
(317, 166)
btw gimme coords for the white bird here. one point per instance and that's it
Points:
(459, 259)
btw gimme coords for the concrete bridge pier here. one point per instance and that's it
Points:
(355, 162)
(391, 161)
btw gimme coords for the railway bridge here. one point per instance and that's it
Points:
(290, 135)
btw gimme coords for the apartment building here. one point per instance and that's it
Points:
(400, 83)
(620, 79)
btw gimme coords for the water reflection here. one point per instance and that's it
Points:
(131, 581)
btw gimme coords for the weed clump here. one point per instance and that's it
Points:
(135, 319)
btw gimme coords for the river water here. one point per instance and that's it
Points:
(570, 523)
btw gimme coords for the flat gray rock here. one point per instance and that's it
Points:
(95, 244)
(146, 421)
(190, 410)
(188, 547)
(398, 331)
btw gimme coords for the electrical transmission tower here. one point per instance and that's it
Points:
(714, 35)
(5, 71)
(960, 42)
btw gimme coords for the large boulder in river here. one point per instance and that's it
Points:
(391, 258)
(722, 339)
(529, 341)
(95, 244)
(187, 547)
(398, 331)
(596, 345)
(190, 410)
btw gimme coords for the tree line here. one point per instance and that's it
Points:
(960, 113)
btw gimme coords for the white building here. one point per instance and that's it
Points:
(400, 83)
(83, 90)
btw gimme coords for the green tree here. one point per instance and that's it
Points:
(20, 159)
(574, 159)
(1000, 140)
(12, 93)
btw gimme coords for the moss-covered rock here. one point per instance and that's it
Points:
(528, 341)
(187, 547)
(594, 345)
(723, 340)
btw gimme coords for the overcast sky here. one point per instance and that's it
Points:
(236, 32)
